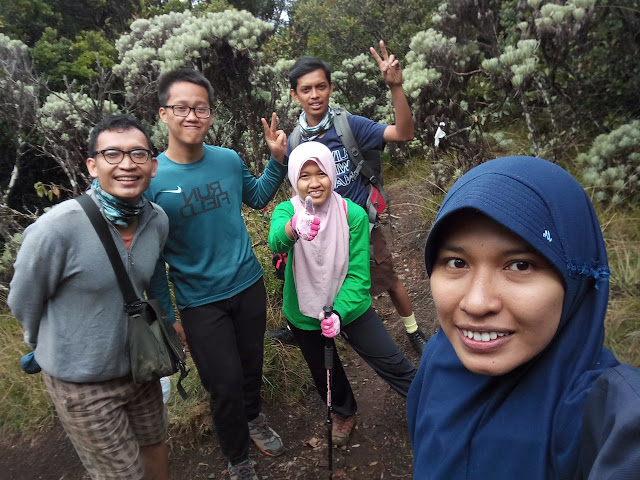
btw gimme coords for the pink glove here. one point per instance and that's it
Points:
(331, 325)
(306, 224)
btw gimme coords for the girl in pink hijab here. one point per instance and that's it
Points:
(326, 238)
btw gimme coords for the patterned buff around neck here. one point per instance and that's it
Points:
(311, 133)
(117, 211)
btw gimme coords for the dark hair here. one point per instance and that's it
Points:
(116, 122)
(307, 64)
(182, 75)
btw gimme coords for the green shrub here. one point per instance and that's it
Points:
(612, 165)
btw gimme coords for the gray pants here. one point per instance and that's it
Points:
(370, 339)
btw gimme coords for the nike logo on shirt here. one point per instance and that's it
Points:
(177, 190)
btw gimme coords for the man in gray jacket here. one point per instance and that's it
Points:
(65, 294)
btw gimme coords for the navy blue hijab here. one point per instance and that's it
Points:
(525, 424)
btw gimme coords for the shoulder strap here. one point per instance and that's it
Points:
(343, 130)
(294, 138)
(102, 229)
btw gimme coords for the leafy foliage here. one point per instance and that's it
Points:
(65, 122)
(337, 29)
(508, 76)
(224, 46)
(612, 165)
(58, 57)
(25, 20)
(19, 90)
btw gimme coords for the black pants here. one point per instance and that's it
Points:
(370, 339)
(226, 339)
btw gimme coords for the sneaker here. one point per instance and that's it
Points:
(283, 335)
(341, 429)
(418, 339)
(265, 438)
(242, 471)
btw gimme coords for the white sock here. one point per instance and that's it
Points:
(410, 323)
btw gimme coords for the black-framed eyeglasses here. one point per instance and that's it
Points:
(115, 155)
(184, 111)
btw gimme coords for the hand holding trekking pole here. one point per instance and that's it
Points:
(330, 324)
(306, 225)
(328, 364)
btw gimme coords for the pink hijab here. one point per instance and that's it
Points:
(319, 266)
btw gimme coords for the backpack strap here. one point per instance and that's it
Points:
(295, 137)
(343, 129)
(341, 123)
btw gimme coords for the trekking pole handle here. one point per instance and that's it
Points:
(328, 344)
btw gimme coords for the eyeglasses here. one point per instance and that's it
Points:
(115, 155)
(184, 111)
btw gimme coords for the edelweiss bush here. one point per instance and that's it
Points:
(611, 167)
(65, 122)
(224, 46)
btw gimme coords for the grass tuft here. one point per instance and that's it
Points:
(621, 229)
(24, 404)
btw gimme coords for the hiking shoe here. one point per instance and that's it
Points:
(265, 438)
(283, 335)
(242, 471)
(418, 339)
(341, 429)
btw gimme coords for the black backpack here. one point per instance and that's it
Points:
(369, 164)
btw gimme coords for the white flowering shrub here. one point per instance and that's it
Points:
(611, 167)
(14, 55)
(65, 121)
(224, 46)
(482, 64)
(440, 69)
(359, 88)
(558, 19)
(421, 72)
(272, 85)
(19, 101)
(517, 63)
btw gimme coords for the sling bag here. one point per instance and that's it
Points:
(155, 348)
(369, 164)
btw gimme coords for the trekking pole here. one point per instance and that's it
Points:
(328, 364)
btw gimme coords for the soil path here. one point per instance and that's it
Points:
(378, 449)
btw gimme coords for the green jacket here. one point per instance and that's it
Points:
(353, 299)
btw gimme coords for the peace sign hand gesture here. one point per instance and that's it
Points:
(389, 66)
(276, 139)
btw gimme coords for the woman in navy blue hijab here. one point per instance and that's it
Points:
(516, 384)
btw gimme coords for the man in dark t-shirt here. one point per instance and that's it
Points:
(311, 87)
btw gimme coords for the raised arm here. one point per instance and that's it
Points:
(402, 131)
(276, 139)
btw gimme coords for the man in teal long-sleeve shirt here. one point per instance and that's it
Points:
(217, 279)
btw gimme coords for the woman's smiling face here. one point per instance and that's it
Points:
(314, 182)
(498, 300)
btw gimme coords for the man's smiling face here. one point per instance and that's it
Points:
(313, 93)
(189, 130)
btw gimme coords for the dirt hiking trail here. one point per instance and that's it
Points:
(379, 448)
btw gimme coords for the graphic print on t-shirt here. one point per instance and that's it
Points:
(345, 172)
(203, 199)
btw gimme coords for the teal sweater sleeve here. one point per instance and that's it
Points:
(159, 289)
(258, 192)
(353, 299)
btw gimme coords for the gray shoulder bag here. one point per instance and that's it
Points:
(155, 348)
